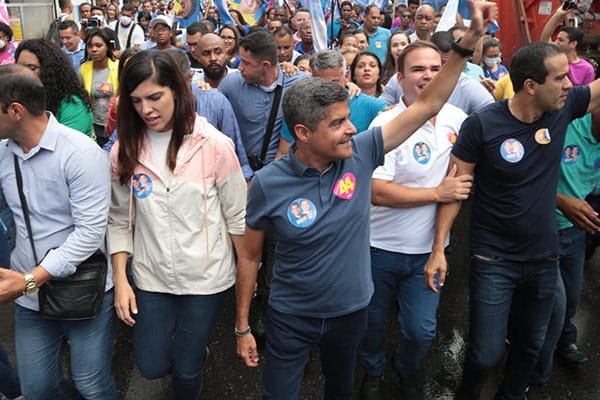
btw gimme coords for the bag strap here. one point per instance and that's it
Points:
(271, 123)
(128, 44)
(24, 206)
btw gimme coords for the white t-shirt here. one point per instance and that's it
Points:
(421, 161)
(137, 38)
(159, 142)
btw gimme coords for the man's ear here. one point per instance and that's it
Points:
(530, 86)
(16, 111)
(302, 133)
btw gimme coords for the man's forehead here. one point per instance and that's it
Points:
(557, 64)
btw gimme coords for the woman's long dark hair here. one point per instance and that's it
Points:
(363, 54)
(389, 66)
(160, 67)
(56, 73)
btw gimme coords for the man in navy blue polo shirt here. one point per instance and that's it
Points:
(514, 149)
(316, 201)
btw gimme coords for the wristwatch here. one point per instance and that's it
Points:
(30, 285)
(461, 50)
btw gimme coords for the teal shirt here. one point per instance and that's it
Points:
(580, 164)
(378, 42)
(76, 115)
(363, 110)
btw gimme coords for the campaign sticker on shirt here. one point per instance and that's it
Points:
(142, 186)
(345, 187)
(542, 136)
(512, 150)
(452, 137)
(571, 154)
(422, 153)
(379, 44)
(302, 213)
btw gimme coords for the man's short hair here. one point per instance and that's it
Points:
(345, 3)
(262, 46)
(306, 102)
(66, 24)
(18, 85)
(457, 28)
(128, 7)
(98, 8)
(419, 44)
(370, 7)
(574, 34)
(283, 31)
(443, 40)
(197, 27)
(414, 2)
(84, 4)
(529, 63)
(327, 59)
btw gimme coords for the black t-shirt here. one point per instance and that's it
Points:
(516, 175)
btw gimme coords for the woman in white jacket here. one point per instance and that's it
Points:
(177, 180)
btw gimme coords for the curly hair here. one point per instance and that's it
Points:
(56, 73)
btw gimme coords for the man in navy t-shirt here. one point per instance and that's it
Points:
(316, 201)
(513, 148)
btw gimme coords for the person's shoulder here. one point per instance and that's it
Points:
(290, 80)
(452, 114)
(273, 172)
(365, 100)
(232, 79)
(211, 94)
(386, 116)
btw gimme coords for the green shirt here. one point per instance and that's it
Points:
(580, 164)
(76, 115)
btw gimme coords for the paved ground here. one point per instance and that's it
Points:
(228, 379)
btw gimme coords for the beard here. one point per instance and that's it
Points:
(214, 73)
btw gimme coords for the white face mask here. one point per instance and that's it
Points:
(2, 44)
(491, 61)
(125, 20)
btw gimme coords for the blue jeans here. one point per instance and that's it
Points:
(399, 276)
(289, 341)
(9, 382)
(39, 345)
(496, 288)
(170, 335)
(561, 331)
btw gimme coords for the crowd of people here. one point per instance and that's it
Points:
(192, 157)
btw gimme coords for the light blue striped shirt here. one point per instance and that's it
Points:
(66, 181)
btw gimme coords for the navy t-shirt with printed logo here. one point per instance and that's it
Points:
(516, 177)
(321, 223)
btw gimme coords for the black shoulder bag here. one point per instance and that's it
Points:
(258, 161)
(78, 296)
